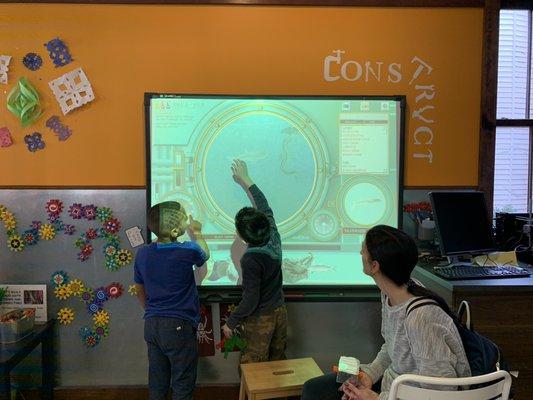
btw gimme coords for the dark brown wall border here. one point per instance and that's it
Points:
(489, 84)
(345, 3)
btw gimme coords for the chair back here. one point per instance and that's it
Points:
(498, 385)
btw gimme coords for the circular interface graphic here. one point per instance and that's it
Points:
(366, 202)
(324, 225)
(284, 155)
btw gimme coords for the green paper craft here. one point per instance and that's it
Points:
(235, 341)
(23, 101)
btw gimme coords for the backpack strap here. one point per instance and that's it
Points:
(419, 302)
(465, 307)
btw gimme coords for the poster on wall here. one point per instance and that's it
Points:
(26, 296)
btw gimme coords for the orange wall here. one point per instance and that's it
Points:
(127, 50)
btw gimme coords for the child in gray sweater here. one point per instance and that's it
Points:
(424, 342)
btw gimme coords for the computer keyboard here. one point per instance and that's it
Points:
(454, 272)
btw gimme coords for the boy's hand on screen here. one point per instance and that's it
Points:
(195, 228)
(240, 173)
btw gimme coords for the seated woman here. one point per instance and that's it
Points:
(426, 342)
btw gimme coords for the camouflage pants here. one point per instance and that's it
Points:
(265, 336)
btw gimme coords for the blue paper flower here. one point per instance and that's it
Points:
(34, 142)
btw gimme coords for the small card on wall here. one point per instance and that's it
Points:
(27, 296)
(134, 236)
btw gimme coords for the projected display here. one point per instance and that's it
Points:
(329, 167)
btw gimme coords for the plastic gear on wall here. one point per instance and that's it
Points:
(94, 299)
(59, 278)
(65, 316)
(62, 292)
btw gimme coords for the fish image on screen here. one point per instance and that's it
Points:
(330, 168)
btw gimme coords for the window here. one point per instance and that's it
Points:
(514, 131)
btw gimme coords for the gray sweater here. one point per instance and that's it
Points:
(425, 343)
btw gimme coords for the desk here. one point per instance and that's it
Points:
(502, 310)
(13, 353)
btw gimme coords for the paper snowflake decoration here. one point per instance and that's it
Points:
(58, 52)
(34, 142)
(72, 90)
(62, 131)
(132, 290)
(5, 137)
(4, 62)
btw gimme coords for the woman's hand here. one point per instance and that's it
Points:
(365, 381)
(351, 392)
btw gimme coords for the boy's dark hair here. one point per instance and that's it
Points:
(253, 226)
(165, 216)
(397, 255)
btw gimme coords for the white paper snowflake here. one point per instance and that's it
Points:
(4, 62)
(72, 90)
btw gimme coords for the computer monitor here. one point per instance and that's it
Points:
(462, 222)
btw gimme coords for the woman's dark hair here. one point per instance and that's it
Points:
(397, 255)
(253, 226)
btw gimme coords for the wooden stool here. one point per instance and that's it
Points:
(274, 379)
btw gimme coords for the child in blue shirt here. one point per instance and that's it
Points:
(164, 279)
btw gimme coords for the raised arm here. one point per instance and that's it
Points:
(239, 170)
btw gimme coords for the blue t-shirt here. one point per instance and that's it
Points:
(166, 271)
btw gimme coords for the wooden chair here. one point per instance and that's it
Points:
(275, 379)
(499, 389)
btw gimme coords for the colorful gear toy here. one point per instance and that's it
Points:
(112, 225)
(89, 212)
(80, 243)
(114, 290)
(101, 318)
(100, 294)
(69, 229)
(47, 232)
(36, 225)
(54, 207)
(87, 249)
(111, 263)
(10, 222)
(58, 225)
(59, 278)
(15, 243)
(83, 256)
(76, 211)
(91, 340)
(110, 250)
(87, 295)
(103, 214)
(91, 234)
(62, 292)
(65, 316)
(30, 237)
(101, 331)
(94, 307)
(123, 257)
(132, 290)
(76, 287)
